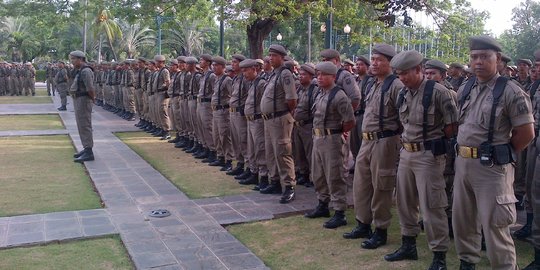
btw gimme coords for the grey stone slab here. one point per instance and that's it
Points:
(119, 203)
(215, 238)
(25, 219)
(168, 191)
(215, 208)
(124, 227)
(128, 218)
(187, 211)
(228, 217)
(197, 218)
(96, 221)
(206, 201)
(4, 220)
(244, 205)
(60, 215)
(229, 248)
(234, 198)
(99, 230)
(209, 264)
(142, 193)
(61, 224)
(151, 260)
(92, 213)
(242, 261)
(147, 246)
(139, 235)
(169, 267)
(276, 208)
(172, 231)
(63, 234)
(164, 222)
(255, 214)
(189, 254)
(174, 197)
(20, 239)
(25, 228)
(125, 210)
(183, 241)
(147, 200)
(206, 227)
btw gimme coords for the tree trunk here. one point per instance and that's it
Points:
(112, 50)
(99, 48)
(256, 33)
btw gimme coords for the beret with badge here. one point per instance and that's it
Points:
(406, 60)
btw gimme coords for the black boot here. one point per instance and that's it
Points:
(336, 221)
(62, 108)
(204, 153)
(377, 239)
(79, 154)
(159, 132)
(245, 175)
(138, 124)
(360, 231)
(439, 261)
(466, 265)
(227, 166)
(288, 195)
(407, 250)
(263, 183)
(320, 211)
(301, 179)
(219, 162)
(175, 140)
(165, 136)
(181, 143)
(131, 117)
(238, 170)
(88, 155)
(525, 231)
(188, 145)
(253, 179)
(272, 188)
(308, 184)
(520, 202)
(199, 152)
(534, 265)
(211, 157)
(195, 148)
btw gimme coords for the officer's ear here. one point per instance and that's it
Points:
(499, 57)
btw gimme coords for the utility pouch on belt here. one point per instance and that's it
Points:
(486, 154)
(438, 147)
(503, 154)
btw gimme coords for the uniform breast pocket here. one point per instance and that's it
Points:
(486, 116)
(404, 113)
(431, 116)
(463, 110)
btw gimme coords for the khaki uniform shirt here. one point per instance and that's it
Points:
(255, 93)
(337, 112)
(390, 112)
(206, 83)
(130, 78)
(193, 84)
(441, 112)
(347, 82)
(86, 76)
(61, 76)
(222, 90)
(162, 81)
(305, 102)
(281, 87)
(240, 91)
(514, 110)
(170, 90)
(457, 82)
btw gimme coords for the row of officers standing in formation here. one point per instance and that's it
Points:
(17, 79)
(447, 141)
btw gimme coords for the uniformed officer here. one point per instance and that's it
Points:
(255, 125)
(362, 80)
(30, 79)
(428, 113)
(140, 87)
(161, 84)
(333, 115)
(303, 125)
(192, 92)
(524, 66)
(455, 75)
(129, 90)
(376, 163)
(277, 103)
(502, 67)
(220, 121)
(204, 109)
(267, 68)
(348, 65)
(174, 72)
(61, 81)
(437, 71)
(178, 104)
(83, 92)
(495, 120)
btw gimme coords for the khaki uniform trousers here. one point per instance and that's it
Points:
(139, 101)
(356, 135)
(3, 88)
(152, 109)
(326, 173)
(21, 85)
(532, 153)
(374, 180)
(63, 91)
(83, 117)
(484, 199)
(520, 182)
(163, 102)
(129, 99)
(175, 106)
(239, 136)
(420, 186)
(15, 87)
(192, 108)
(204, 119)
(278, 146)
(222, 134)
(29, 86)
(184, 108)
(535, 199)
(118, 96)
(145, 106)
(170, 109)
(48, 82)
(255, 147)
(302, 147)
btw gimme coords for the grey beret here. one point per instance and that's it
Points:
(456, 65)
(364, 59)
(77, 54)
(174, 62)
(228, 68)
(289, 64)
(206, 57)
(348, 62)
(406, 60)
(384, 49)
(436, 64)
(238, 57)
(327, 67)
(142, 59)
(276, 48)
(160, 58)
(191, 60)
(219, 60)
(525, 61)
(505, 58)
(330, 54)
(537, 55)
(484, 42)
(181, 58)
(248, 63)
(259, 61)
(266, 59)
(309, 68)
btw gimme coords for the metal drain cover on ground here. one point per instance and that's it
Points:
(160, 213)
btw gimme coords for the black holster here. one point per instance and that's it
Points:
(438, 147)
(503, 154)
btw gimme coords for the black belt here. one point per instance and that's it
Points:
(192, 98)
(303, 122)
(379, 134)
(203, 100)
(84, 94)
(175, 95)
(268, 116)
(239, 109)
(253, 117)
(219, 107)
(319, 132)
(62, 82)
(359, 112)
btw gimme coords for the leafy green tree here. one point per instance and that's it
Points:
(106, 27)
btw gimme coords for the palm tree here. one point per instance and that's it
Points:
(16, 30)
(135, 37)
(105, 25)
(186, 39)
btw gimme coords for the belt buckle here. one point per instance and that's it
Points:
(474, 152)
(264, 116)
(327, 131)
(415, 147)
(407, 147)
(317, 132)
(214, 108)
(371, 136)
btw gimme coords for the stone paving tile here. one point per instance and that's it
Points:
(96, 221)
(64, 234)
(197, 253)
(92, 213)
(228, 217)
(216, 237)
(62, 224)
(183, 241)
(215, 208)
(27, 218)
(165, 222)
(147, 246)
(12, 133)
(169, 267)
(205, 201)
(242, 261)
(25, 228)
(99, 230)
(21, 239)
(208, 264)
(151, 260)
(60, 215)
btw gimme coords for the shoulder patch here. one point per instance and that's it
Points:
(348, 80)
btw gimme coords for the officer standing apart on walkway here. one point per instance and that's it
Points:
(428, 114)
(495, 122)
(83, 93)
(61, 80)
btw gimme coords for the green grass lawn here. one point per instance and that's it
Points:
(300, 243)
(194, 178)
(39, 176)
(101, 253)
(37, 99)
(31, 122)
